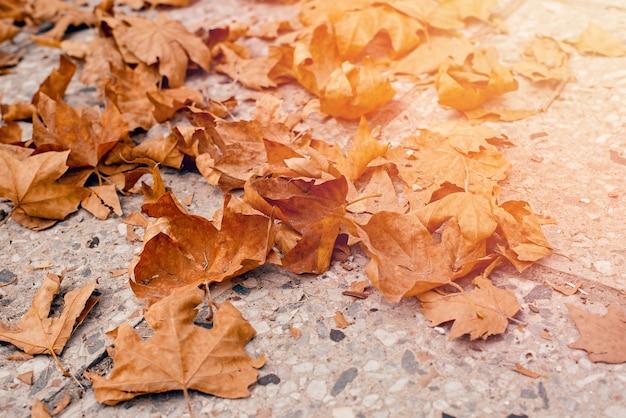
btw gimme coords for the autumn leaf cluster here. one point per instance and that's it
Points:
(426, 209)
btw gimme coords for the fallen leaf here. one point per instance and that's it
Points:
(602, 336)
(522, 230)
(544, 59)
(467, 85)
(595, 40)
(36, 333)
(39, 201)
(163, 42)
(350, 92)
(181, 355)
(56, 83)
(481, 312)
(196, 251)
(86, 133)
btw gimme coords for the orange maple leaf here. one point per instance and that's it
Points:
(481, 312)
(603, 337)
(31, 185)
(469, 84)
(181, 355)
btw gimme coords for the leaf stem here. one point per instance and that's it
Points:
(6, 218)
(371, 196)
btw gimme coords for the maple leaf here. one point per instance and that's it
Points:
(36, 333)
(63, 15)
(358, 26)
(467, 85)
(522, 230)
(351, 91)
(481, 312)
(127, 88)
(162, 42)
(364, 148)
(602, 336)
(31, 185)
(85, 133)
(345, 90)
(428, 161)
(429, 55)
(196, 250)
(597, 40)
(405, 260)
(253, 73)
(544, 59)
(56, 83)
(181, 355)
(473, 213)
(315, 211)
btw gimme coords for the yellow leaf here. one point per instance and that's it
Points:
(480, 77)
(595, 40)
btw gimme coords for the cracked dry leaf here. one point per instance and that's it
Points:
(467, 85)
(595, 40)
(181, 355)
(30, 183)
(87, 134)
(602, 336)
(480, 312)
(36, 333)
(163, 42)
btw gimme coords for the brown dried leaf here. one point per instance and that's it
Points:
(163, 42)
(35, 333)
(181, 355)
(86, 133)
(595, 40)
(481, 312)
(39, 201)
(467, 85)
(602, 336)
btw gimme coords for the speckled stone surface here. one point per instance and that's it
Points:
(388, 362)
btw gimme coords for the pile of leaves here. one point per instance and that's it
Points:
(426, 210)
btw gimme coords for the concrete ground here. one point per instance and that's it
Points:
(389, 362)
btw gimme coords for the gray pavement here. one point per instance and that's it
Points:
(388, 362)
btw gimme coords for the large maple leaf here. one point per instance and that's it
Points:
(465, 160)
(405, 260)
(31, 185)
(36, 333)
(181, 355)
(603, 337)
(163, 42)
(481, 312)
